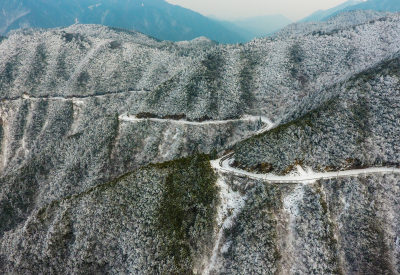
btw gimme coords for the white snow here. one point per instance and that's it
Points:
(4, 115)
(230, 205)
(170, 146)
(78, 102)
(306, 175)
(132, 118)
(91, 7)
(92, 53)
(291, 201)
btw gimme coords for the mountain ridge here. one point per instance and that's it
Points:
(354, 5)
(324, 14)
(156, 18)
(109, 141)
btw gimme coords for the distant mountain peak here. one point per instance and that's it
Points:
(156, 18)
(374, 5)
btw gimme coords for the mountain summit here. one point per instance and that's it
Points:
(353, 5)
(156, 18)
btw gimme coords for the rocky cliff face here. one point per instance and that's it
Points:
(106, 139)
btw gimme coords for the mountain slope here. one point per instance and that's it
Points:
(106, 138)
(353, 5)
(383, 5)
(322, 14)
(344, 20)
(358, 120)
(376, 5)
(156, 18)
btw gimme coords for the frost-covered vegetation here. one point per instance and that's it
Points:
(156, 220)
(342, 226)
(198, 80)
(156, 18)
(67, 99)
(334, 23)
(356, 128)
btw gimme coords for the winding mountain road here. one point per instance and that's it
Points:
(234, 201)
(231, 201)
(71, 97)
(250, 118)
(300, 176)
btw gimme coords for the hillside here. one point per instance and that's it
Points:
(121, 153)
(376, 5)
(354, 5)
(320, 15)
(156, 18)
(358, 119)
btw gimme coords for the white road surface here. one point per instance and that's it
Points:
(132, 118)
(301, 175)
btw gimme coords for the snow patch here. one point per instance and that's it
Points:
(77, 109)
(78, 102)
(230, 205)
(133, 118)
(291, 202)
(91, 7)
(171, 143)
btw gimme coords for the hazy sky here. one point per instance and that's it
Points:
(230, 9)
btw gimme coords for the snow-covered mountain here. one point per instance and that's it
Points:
(342, 20)
(353, 5)
(376, 5)
(120, 153)
(156, 18)
(322, 14)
